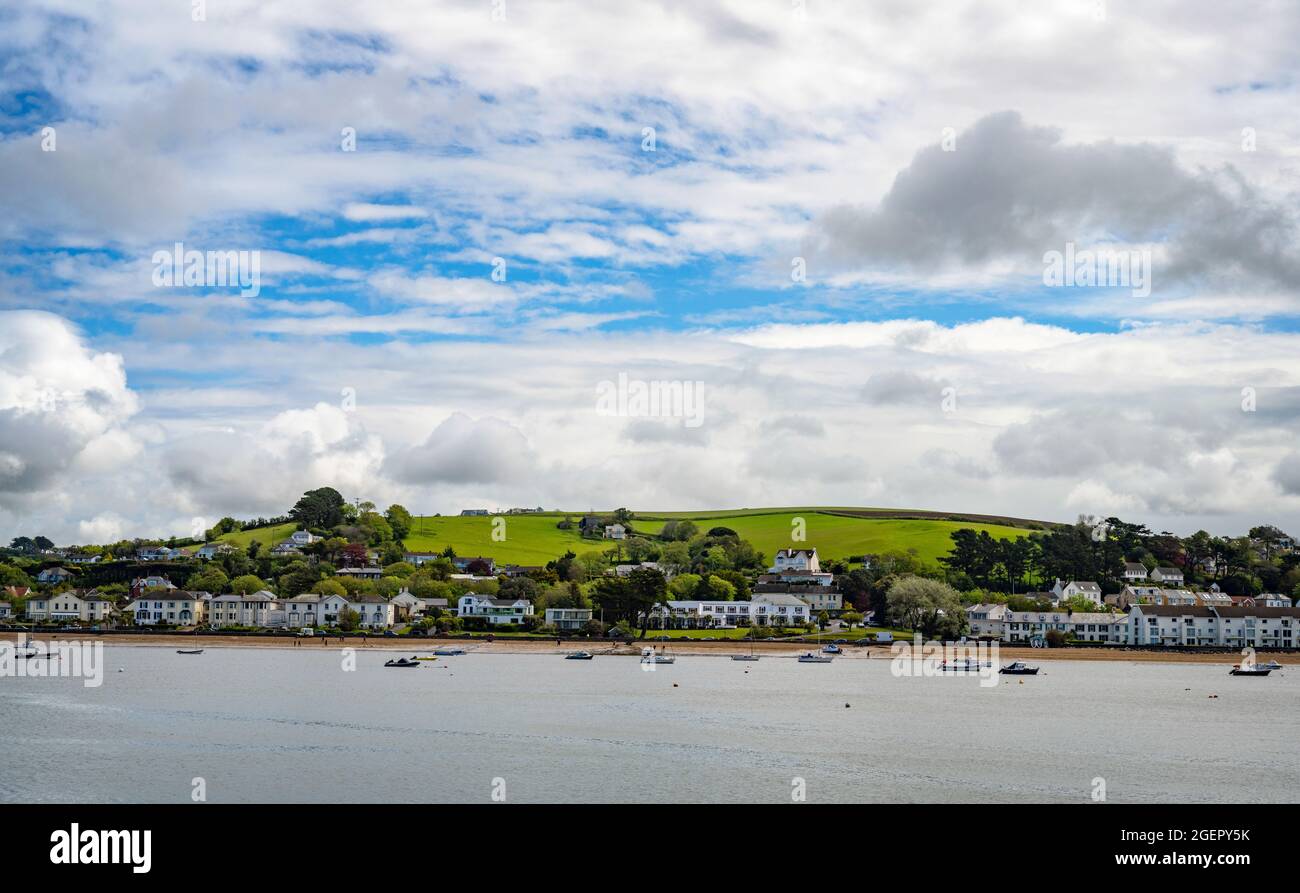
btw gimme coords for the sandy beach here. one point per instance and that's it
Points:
(549, 647)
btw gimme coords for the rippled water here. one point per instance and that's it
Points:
(290, 726)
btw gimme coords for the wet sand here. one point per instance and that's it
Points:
(600, 647)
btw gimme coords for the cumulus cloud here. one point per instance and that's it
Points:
(61, 403)
(465, 450)
(1008, 192)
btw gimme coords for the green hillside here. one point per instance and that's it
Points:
(534, 539)
(267, 536)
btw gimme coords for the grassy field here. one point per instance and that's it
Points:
(267, 536)
(534, 539)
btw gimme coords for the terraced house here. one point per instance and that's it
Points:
(313, 610)
(1229, 627)
(1023, 626)
(86, 606)
(374, 611)
(252, 609)
(175, 606)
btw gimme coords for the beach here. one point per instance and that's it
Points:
(680, 647)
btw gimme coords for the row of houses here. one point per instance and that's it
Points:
(1228, 626)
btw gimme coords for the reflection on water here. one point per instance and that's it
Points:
(291, 726)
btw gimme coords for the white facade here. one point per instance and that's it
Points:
(615, 532)
(987, 620)
(1134, 572)
(1022, 626)
(254, 609)
(568, 619)
(1235, 627)
(1170, 575)
(796, 560)
(375, 612)
(311, 609)
(68, 606)
(176, 606)
(498, 611)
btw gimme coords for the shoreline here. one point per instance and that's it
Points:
(604, 648)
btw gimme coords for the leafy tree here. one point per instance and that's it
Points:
(246, 584)
(400, 520)
(934, 608)
(348, 620)
(646, 588)
(323, 507)
(211, 579)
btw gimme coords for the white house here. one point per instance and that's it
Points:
(623, 570)
(75, 604)
(1168, 575)
(212, 550)
(568, 619)
(796, 560)
(54, 575)
(234, 609)
(987, 620)
(311, 609)
(175, 606)
(1134, 571)
(690, 614)
(406, 605)
(373, 611)
(498, 611)
(1272, 600)
(302, 538)
(1087, 588)
(780, 608)
(82, 558)
(6, 610)
(615, 532)
(157, 553)
(141, 584)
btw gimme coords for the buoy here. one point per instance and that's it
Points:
(674, 685)
(847, 706)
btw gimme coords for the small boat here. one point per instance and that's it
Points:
(1239, 670)
(448, 652)
(579, 655)
(426, 658)
(813, 657)
(1019, 668)
(1271, 665)
(403, 662)
(750, 656)
(189, 650)
(650, 656)
(832, 649)
(966, 665)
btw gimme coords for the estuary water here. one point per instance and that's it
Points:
(270, 725)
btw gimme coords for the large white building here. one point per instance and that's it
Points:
(568, 619)
(1023, 626)
(373, 611)
(1229, 627)
(764, 609)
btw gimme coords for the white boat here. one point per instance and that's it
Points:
(1271, 665)
(650, 656)
(813, 657)
(966, 665)
(832, 649)
(750, 656)
(579, 655)
(448, 652)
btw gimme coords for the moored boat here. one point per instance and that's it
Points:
(650, 656)
(403, 662)
(1239, 670)
(1019, 668)
(448, 652)
(813, 657)
(579, 655)
(189, 650)
(966, 665)
(832, 649)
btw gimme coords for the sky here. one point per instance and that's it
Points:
(855, 240)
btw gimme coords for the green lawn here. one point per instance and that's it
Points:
(534, 539)
(267, 536)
